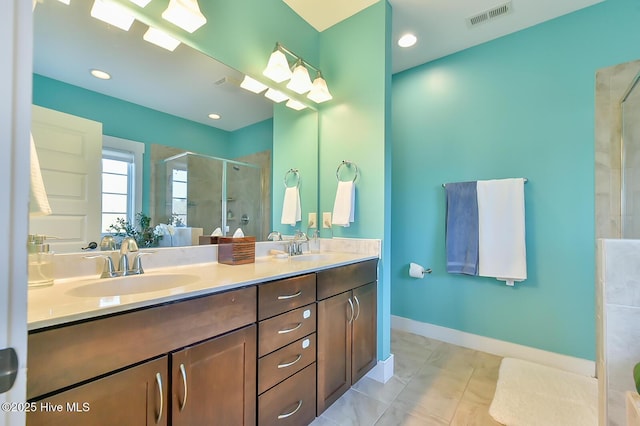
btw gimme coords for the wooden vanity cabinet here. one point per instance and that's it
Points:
(135, 396)
(287, 351)
(347, 327)
(104, 362)
(213, 383)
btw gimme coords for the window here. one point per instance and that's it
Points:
(179, 194)
(121, 180)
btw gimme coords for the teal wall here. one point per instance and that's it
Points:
(519, 106)
(295, 147)
(253, 138)
(137, 123)
(354, 57)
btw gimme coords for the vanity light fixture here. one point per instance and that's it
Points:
(293, 104)
(160, 38)
(214, 116)
(319, 91)
(278, 70)
(300, 81)
(185, 14)
(112, 13)
(102, 75)
(278, 66)
(141, 3)
(407, 40)
(276, 95)
(68, 2)
(252, 85)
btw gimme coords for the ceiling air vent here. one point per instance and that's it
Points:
(490, 14)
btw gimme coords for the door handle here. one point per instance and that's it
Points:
(8, 368)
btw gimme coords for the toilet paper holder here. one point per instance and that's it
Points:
(418, 271)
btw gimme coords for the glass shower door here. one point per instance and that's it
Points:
(244, 199)
(630, 107)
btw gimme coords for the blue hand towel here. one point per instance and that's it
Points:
(462, 228)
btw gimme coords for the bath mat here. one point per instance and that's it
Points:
(529, 394)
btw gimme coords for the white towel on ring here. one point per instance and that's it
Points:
(344, 204)
(291, 211)
(501, 230)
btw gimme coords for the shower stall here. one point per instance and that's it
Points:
(617, 208)
(202, 191)
(630, 147)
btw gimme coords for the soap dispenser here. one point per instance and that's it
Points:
(40, 261)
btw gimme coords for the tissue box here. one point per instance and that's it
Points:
(207, 239)
(236, 251)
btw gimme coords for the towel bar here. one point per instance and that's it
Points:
(286, 177)
(348, 164)
(445, 184)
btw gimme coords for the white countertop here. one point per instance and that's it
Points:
(78, 299)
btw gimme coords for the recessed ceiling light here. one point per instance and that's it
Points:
(100, 74)
(407, 40)
(214, 116)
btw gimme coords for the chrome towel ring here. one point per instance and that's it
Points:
(347, 163)
(296, 173)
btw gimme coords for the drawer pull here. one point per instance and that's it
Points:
(290, 296)
(183, 373)
(352, 310)
(289, 330)
(159, 383)
(284, 416)
(289, 364)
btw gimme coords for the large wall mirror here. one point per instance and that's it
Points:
(158, 101)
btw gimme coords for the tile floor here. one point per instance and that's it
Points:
(435, 383)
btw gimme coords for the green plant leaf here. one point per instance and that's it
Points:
(636, 376)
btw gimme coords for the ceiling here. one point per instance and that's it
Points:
(440, 25)
(68, 42)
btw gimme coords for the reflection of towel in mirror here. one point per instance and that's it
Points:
(462, 228)
(291, 211)
(344, 205)
(39, 203)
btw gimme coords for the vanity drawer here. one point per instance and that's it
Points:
(292, 402)
(279, 331)
(284, 295)
(277, 366)
(70, 354)
(344, 278)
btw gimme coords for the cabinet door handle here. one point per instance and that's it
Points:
(159, 384)
(183, 373)
(289, 330)
(295, 410)
(358, 305)
(352, 310)
(290, 296)
(289, 364)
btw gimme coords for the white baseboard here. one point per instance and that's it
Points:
(382, 371)
(497, 347)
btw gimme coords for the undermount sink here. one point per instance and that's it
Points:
(309, 257)
(132, 284)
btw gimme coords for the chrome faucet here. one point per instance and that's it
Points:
(299, 239)
(274, 236)
(127, 246)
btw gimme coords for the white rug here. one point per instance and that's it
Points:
(530, 394)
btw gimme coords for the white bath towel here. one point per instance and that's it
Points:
(291, 211)
(344, 205)
(39, 202)
(501, 229)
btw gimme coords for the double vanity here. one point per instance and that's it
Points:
(272, 342)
